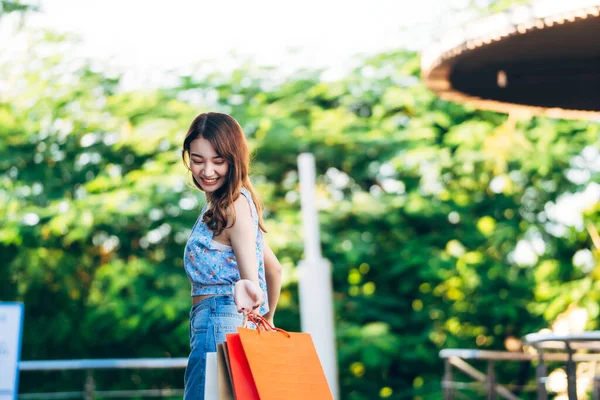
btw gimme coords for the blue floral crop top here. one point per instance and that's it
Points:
(211, 266)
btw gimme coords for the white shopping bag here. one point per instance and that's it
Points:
(211, 385)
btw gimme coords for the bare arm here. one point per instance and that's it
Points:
(242, 237)
(273, 278)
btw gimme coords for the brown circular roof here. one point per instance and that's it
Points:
(541, 59)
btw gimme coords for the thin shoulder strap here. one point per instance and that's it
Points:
(248, 196)
(200, 216)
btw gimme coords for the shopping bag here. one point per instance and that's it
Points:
(241, 376)
(224, 373)
(211, 387)
(275, 364)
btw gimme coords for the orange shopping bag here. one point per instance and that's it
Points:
(275, 364)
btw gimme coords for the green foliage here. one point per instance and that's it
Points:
(10, 6)
(422, 203)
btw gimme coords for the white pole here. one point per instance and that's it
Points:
(314, 282)
(310, 220)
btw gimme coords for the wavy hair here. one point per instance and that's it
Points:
(228, 139)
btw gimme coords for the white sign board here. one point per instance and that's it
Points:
(11, 330)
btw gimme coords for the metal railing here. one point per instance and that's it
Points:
(89, 391)
(570, 343)
(567, 345)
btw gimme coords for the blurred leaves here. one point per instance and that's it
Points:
(441, 222)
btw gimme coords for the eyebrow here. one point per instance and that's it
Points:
(198, 155)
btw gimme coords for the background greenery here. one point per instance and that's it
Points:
(423, 203)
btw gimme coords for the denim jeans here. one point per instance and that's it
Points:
(210, 320)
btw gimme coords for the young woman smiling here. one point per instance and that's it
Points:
(230, 266)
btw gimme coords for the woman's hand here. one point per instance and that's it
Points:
(248, 296)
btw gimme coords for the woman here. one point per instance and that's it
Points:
(229, 264)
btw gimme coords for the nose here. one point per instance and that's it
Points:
(208, 169)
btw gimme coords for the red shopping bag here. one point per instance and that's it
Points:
(275, 364)
(243, 385)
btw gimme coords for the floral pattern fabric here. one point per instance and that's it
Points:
(212, 267)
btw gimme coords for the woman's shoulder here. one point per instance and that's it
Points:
(242, 208)
(243, 205)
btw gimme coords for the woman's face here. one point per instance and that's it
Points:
(208, 167)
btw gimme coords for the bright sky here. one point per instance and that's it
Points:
(151, 34)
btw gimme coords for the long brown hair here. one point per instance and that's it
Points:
(228, 139)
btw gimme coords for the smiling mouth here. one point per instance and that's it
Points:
(210, 181)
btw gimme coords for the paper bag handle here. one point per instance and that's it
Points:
(261, 322)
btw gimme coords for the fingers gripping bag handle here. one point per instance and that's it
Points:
(262, 324)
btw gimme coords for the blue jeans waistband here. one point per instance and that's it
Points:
(212, 303)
